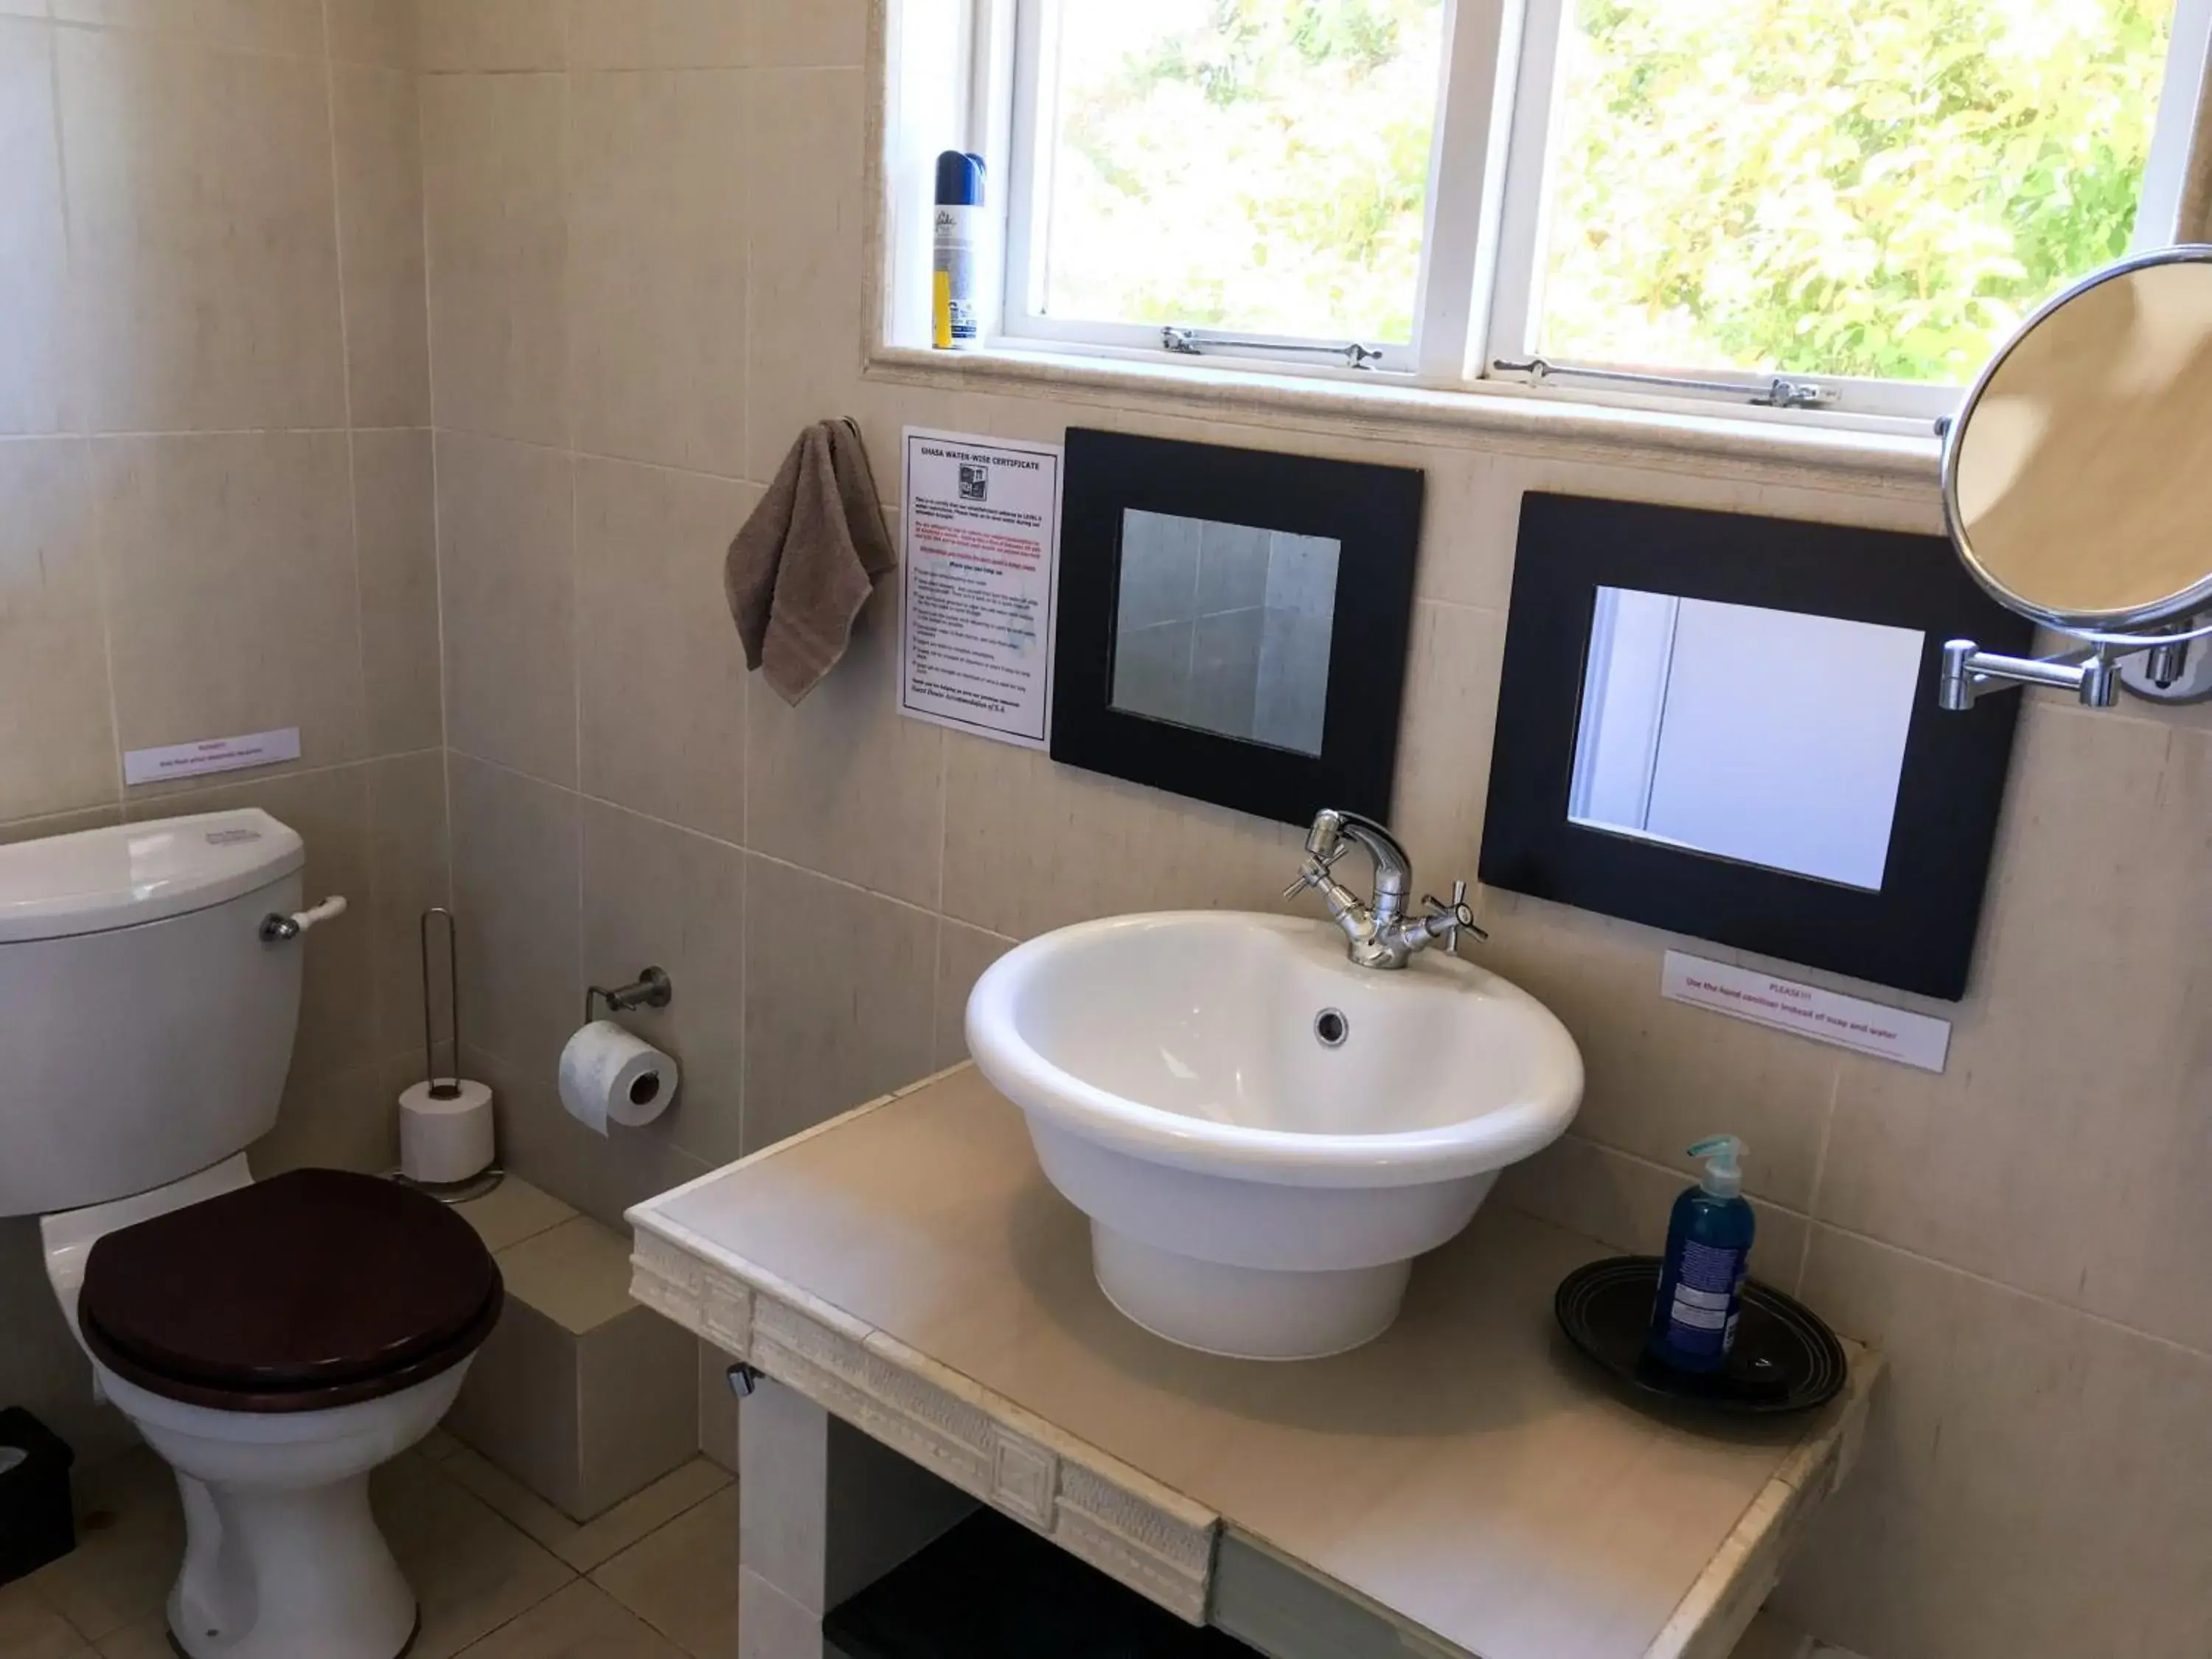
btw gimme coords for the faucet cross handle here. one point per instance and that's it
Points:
(1459, 914)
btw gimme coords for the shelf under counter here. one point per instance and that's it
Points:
(1464, 1485)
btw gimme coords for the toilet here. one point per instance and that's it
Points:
(274, 1341)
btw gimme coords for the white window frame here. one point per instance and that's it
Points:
(1478, 299)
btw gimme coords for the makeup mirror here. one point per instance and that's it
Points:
(2077, 482)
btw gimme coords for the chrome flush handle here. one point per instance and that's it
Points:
(277, 928)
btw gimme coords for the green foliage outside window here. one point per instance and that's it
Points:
(1879, 188)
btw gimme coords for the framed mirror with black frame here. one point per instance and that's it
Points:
(1233, 622)
(1726, 727)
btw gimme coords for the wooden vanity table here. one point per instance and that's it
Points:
(1464, 1486)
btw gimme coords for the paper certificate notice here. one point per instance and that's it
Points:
(983, 569)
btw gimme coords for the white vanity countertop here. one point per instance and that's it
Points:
(1465, 1478)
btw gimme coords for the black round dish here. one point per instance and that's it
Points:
(1786, 1359)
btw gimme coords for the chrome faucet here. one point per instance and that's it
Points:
(1380, 935)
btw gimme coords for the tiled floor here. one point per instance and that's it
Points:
(501, 1574)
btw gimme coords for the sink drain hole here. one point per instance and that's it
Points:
(1331, 1028)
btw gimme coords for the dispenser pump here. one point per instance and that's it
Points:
(1723, 1155)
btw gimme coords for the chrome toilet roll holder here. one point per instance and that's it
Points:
(651, 989)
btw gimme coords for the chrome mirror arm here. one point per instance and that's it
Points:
(1971, 673)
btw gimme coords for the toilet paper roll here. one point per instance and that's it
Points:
(608, 1076)
(445, 1141)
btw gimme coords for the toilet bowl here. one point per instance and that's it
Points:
(273, 1341)
(282, 1558)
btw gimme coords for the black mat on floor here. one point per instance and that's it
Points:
(990, 1588)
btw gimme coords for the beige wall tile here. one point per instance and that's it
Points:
(656, 34)
(816, 34)
(962, 954)
(495, 175)
(492, 35)
(261, 519)
(61, 824)
(2006, 1424)
(580, 1622)
(844, 783)
(805, 216)
(601, 1177)
(2062, 1152)
(330, 811)
(409, 870)
(25, 9)
(203, 236)
(379, 183)
(1030, 846)
(661, 673)
(508, 565)
(292, 27)
(1659, 1075)
(345, 1120)
(378, 32)
(34, 277)
(517, 865)
(641, 1398)
(1454, 659)
(55, 725)
(1467, 542)
(395, 524)
(1626, 1202)
(838, 1019)
(660, 897)
(657, 261)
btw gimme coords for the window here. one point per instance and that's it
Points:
(1835, 205)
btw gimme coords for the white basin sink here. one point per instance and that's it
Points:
(1254, 1188)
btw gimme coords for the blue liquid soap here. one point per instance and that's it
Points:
(1708, 1258)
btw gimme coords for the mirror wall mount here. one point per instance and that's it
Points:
(1233, 623)
(2074, 486)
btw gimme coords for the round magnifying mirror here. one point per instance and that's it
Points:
(2077, 479)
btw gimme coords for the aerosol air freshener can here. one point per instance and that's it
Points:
(957, 317)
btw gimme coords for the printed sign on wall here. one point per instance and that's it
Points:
(983, 569)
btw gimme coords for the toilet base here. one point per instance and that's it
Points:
(178, 1648)
(284, 1574)
(284, 1559)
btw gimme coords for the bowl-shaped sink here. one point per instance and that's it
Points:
(1263, 1135)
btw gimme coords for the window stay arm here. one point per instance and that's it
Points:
(1781, 392)
(1197, 342)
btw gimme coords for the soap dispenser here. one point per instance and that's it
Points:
(1708, 1258)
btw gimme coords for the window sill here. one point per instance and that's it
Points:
(1546, 421)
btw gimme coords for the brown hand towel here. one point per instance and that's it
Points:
(807, 560)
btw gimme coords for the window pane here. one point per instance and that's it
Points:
(1258, 165)
(1879, 188)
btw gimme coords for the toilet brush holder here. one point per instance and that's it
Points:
(37, 1523)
